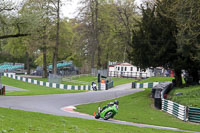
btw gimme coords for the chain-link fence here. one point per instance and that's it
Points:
(103, 72)
(1, 81)
(54, 78)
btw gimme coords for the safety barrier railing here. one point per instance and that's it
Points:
(194, 114)
(48, 84)
(144, 85)
(174, 109)
(159, 93)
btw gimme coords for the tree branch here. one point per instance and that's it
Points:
(13, 36)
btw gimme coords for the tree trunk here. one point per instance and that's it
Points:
(195, 75)
(92, 58)
(178, 78)
(92, 40)
(45, 74)
(27, 63)
(55, 55)
(96, 35)
(98, 57)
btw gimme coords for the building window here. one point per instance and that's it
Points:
(125, 68)
(122, 68)
(118, 68)
(131, 68)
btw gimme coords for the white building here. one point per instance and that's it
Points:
(128, 70)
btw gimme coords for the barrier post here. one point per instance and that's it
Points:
(3, 91)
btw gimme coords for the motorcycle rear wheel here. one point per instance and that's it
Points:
(108, 115)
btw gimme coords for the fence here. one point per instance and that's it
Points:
(174, 109)
(128, 74)
(110, 84)
(10, 67)
(54, 78)
(194, 114)
(184, 113)
(144, 85)
(0, 81)
(103, 72)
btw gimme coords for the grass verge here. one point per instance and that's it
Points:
(62, 82)
(156, 79)
(139, 108)
(190, 97)
(117, 81)
(32, 89)
(15, 121)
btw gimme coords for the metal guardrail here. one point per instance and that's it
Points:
(48, 84)
(110, 84)
(144, 85)
(194, 114)
(174, 109)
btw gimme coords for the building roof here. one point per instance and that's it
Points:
(121, 64)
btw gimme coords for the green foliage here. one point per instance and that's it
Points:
(116, 20)
(139, 108)
(188, 19)
(166, 39)
(17, 121)
(155, 43)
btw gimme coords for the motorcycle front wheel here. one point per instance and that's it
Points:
(108, 115)
(97, 116)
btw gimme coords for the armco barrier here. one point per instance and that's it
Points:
(48, 84)
(110, 84)
(174, 109)
(144, 85)
(194, 114)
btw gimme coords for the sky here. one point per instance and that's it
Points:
(70, 9)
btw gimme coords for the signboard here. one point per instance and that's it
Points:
(103, 84)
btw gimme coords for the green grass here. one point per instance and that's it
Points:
(190, 97)
(31, 88)
(63, 82)
(120, 81)
(139, 108)
(86, 78)
(156, 79)
(15, 121)
(117, 81)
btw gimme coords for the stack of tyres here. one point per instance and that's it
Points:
(157, 99)
(2, 90)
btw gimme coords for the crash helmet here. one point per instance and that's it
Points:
(116, 102)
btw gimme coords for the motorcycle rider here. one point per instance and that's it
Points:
(94, 86)
(109, 105)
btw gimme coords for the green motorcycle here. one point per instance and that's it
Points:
(108, 111)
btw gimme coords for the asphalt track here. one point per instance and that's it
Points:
(10, 88)
(56, 104)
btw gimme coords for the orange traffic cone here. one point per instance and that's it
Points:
(94, 114)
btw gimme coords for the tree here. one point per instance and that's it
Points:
(44, 13)
(56, 4)
(187, 16)
(106, 27)
(126, 16)
(155, 43)
(6, 31)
